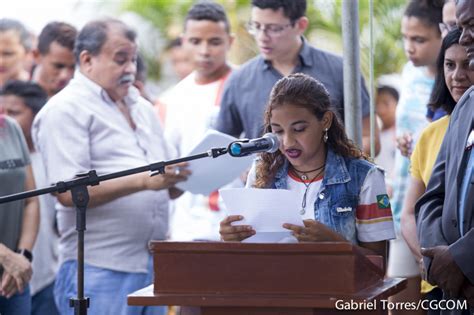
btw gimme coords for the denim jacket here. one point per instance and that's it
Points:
(340, 189)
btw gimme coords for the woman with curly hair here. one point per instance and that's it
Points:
(342, 194)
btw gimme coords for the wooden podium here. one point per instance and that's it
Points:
(240, 278)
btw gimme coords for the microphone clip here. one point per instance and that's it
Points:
(215, 152)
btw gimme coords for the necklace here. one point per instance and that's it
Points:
(303, 178)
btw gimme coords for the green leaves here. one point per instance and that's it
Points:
(324, 31)
(326, 17)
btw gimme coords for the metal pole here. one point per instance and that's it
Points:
(371, 79)
(352, 81)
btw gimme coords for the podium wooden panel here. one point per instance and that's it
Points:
(239, 278)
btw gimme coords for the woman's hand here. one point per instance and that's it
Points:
(231, 232)
(314, 231)
(17, 274)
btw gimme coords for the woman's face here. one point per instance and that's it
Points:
(12, 56)
(457, 75)
(301, 135)
(16, 108)
(421, 41)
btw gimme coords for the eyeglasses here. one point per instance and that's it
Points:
(446, 27)
(272, 30)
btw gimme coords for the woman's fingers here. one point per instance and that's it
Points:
(240, 236)
(312, 231)
(235, 229)
(231, 232)
(304, 237)
(231, 218)
(295, 228)
(236, 232)
(9, 285)
(311, 223)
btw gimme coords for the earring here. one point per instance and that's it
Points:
(326, 137)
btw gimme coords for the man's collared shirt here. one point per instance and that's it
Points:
(82, 129)
(248, 89)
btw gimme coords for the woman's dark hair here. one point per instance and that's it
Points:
(440, 96)
(430, 11)
(303, 91)
(31, 93)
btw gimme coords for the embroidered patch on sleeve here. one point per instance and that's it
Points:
(383, 202)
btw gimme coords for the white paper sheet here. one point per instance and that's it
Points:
(209, 174)
(265, 210)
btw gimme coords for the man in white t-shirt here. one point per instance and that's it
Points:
(191, 109)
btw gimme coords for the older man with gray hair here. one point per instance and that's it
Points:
(100, 122)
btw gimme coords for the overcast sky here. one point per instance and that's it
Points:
(36, 14)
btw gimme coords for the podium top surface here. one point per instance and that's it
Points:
(297, 248)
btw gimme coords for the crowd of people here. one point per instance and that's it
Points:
(74, 100)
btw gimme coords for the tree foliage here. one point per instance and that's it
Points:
(325, 27)
(388, 47)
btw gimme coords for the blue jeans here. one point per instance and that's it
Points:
(106, 289)
(19, 304)
(42, 303)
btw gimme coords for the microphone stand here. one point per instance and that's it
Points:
(80, 197)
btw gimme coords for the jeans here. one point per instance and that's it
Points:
(19, 304)
(106, 289)
(42, 303)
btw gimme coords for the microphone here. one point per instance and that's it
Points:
(268, 143)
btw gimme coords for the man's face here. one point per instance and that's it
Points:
(207, 43)
(449, 18)
(15, 107)
(421, 42)
(274, 33)
(465, 21)
(115, 66)
(55, 68)
(12, 55)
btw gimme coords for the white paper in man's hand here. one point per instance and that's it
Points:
(264, 209)
(209, 174)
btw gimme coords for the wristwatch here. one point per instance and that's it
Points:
(28, 255)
